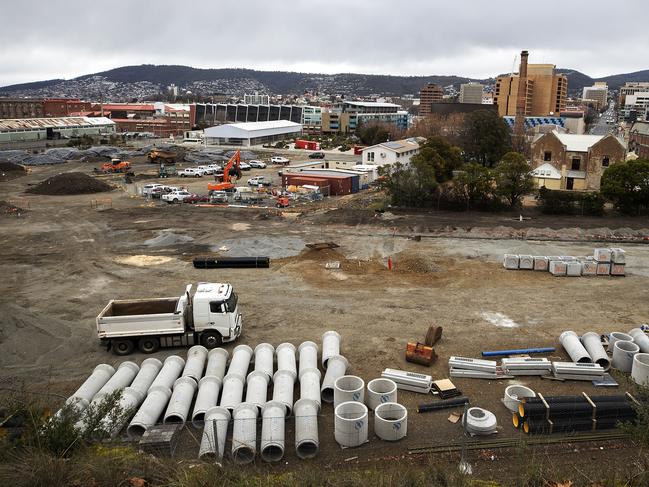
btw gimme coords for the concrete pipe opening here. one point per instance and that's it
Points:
(135, 430)
(623, 353)
(243, 455)
(391, 421)
(514, 394)
(350, 424)
(348, 388)
(640, 369)
(617, 336)
(307, 449)
(381, 391)
(272, 453)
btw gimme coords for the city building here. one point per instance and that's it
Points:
(160, 119)
(247, 134)
(346, 116)
(598, 92)
(471, 93)
(636, 107)
(572, 122)
(389, 153)
(631, 88)
(543, 92)
(209, 114)
(574, 162)
(31, 129)
(639, 139)
(330, 182)
(41, 107)
(429, 94)
(256, 99)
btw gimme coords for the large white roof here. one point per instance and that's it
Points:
(373, 104)
(578, 143)
(7, 125)
(246, 130)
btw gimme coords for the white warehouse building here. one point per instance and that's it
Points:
(252, 133)
(388, 153)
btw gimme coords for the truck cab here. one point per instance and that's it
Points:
(216, 313)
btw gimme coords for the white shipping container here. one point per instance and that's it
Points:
(526, 262)
(603, 268)
(540, 263)
(602, 255)
(588, 268)
(510, 261)
(617, 269)
(557, 268)
(573, 269)
(618, 256)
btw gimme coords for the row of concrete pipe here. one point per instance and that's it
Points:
(154, 386)
(629, 351)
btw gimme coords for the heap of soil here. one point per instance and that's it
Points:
(70, 183)
(7, 208)
(10, 170)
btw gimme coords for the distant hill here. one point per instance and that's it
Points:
(577, 80)
(35, 85)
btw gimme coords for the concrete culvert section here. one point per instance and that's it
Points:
(244, 433)
(348, 388)
(381, 391)
(350, 424)
(391, 421)
(336, 367)
(307, 443)
(514, 394)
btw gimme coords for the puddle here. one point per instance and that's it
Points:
(273, 247)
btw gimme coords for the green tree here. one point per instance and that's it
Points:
(476, 183)
(485, 137)
(626, 184)
(513, 178)
(412, 186)
(437, 153)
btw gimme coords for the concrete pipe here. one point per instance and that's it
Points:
(196, 358)
(641, 339)
(241, 356)
(217, 359)
(570, 341)
(232, 394)
(286, 358)
(122, 378)
(149, 370)
(307, 443)
(330, 346)
(149, 412)
(617, 336)
(350, 424)
(93, 384)
(215, 432)
(308, 356)
(391, 421)
(640, 369)
(181, 400)
(283, 385)
(380, 391)
(514, 394)
(310, 385)
(623, 353)
(257, 388)
(272, 431)
(130, 401)
(336, 367)
(75, 405)
(244, 433)
(593, 345)
(264, 359)
(207, 398)
(171, 370)
(349, 388)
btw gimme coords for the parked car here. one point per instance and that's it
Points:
(215, 168)
(257, 180)
(218, 197)
(206, 169)
(176, 196)
(244, 166)
(147, 190)
(191, 172)
(317, 155)
(257, 164)
(279, 160)
(197, 198)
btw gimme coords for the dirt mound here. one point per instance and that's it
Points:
(11, 166)
(70, 183)
(7, 208)
(417, 263)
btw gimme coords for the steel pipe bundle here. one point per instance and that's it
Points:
(336, 367)
(171, 370)
(617, 336)
(381, 391)
(307, 443)
(209, 388)
(150, 410)
(264, 357)
(330, 346)
(196, 358)
(623, 353)
(350, 424)
(391, 421)
(641, 339)
(232, 393)
(310, 385)
(640, 369)
(283, 385)
(286, 358)
(593, 345)
(244, 433)
(241, 356)
(214, 434)
(348, 388)
(232, 263)
(445, 404)
(148, 372)
(570, 342)
(217, 359)
(272, 431)
(181, 400)
(308, 353)
(257, 388)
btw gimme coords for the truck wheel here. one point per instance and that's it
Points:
(122, 347)
(211, 339)
(148, 344)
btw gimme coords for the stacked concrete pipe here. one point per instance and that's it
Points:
(310, 385)
(196, 358)
(171, 370)
(330, 346)
(264, 359)
(156, 400)
(257, 388)
(209, 388)
(214, 434)
(617, 336)
(286, 358)
(623, 353)
(283, 385)
(232, 394)
(181, 400)
(307, 443)
(641, 339)
(308, 353)
(241, 356)
(348, 388)
(217, 359)
(380, 391)
(351, 424)
(593, 345)
(81, 398)
(272, 431)
(570, 342)
(336, 367)
(149, 370)
(244, 433)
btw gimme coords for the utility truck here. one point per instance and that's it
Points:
(210, 317)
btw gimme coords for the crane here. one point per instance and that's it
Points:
(226, 184)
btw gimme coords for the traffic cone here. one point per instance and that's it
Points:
(389, 263)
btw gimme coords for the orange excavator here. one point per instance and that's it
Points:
(224, 183)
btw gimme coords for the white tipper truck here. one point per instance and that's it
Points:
(209, 317)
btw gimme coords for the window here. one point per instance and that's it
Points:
(605, 161)
(370, 156)
(231, 302)
(576, 163)
(547, 156)
(216, 307)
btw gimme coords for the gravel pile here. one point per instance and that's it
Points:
(70, 183)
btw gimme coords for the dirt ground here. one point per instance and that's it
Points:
(65, 258)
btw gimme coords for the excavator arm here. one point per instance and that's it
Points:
(235, 162)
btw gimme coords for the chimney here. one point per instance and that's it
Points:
(522, 71)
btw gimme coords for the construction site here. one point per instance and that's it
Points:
(363, 286)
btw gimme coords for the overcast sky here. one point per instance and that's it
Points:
(45, 39)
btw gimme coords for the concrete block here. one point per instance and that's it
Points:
(557, 267)
(602, 255)
(161, 439)
(525, 262)
(510, 261)
(603, 268)
(588, 268)
(617, 269)
(618, 256)
(540, 263)
(568, 258)
(573, 269)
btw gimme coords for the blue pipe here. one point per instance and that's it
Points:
(496, 353)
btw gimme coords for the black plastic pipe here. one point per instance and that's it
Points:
(533, 426)
(595, 399)
(232, 262)
(448, 403)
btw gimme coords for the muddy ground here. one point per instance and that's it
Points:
(65, 258)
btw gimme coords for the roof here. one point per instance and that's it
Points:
(397, 146)
(546, 171)
(7, 125)
(246, 130)
(640, 128)
(129, 107)
(578, 143)
(372, 104)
